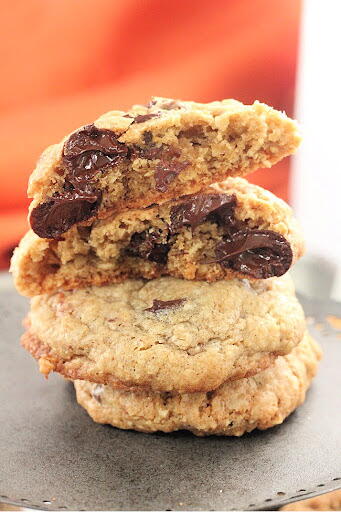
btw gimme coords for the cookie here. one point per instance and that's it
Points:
(261, 401)
(166, 334)
(151, 154)
(229, 230)
(328, 501)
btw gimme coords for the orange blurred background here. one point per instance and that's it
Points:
(65, 62)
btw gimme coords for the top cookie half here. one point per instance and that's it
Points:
(151, 154)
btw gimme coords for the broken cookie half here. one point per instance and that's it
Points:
(232, 229)
(152, 154)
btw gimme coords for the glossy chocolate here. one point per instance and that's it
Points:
(257, 253)
(60, 213)
(90, 150)
(86, 153)
(196, 209)
(90, 138)
(166, 172)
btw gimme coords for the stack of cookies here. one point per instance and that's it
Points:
(158, 275)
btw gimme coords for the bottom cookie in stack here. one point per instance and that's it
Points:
(236, 407)
(168, 354)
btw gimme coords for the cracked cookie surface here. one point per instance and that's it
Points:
(231, 229)
(166, 334)
(236, 407)
(151, 154)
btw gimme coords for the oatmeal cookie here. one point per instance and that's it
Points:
(232, 229)
(151, 154)
(236, 407)
(167, 334)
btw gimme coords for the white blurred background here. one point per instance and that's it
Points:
(316, 176)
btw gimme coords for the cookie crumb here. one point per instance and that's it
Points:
(45, 366)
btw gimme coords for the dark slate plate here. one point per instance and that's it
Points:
(52, 456)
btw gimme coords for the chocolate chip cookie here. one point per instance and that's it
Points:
(229, 230)
(151, 154)
(167, 334)
(236, 407)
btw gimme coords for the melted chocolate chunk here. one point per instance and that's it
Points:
(90, 150)
(149, 245)
(166, 172)
(91, 138)
(83, 169)
(145, 117)
(84, 154)
(198, 207)
(257, 253)
(254, 252)
(160, 305)
(61, 212)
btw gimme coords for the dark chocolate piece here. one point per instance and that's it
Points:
(257, 253)
(90, 138)
(149, 245)
(86, 152)
(160, 305)
(90, 150)
(145, 117)
(83, 168)
(196, 209)
(61, 212)
(166, 172)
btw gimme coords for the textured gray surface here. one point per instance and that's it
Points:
(52, 456)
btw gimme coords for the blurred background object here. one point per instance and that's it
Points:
(65, 63)
(316, 177)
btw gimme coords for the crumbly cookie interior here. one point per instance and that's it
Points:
(153, 154)
(141, 244)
